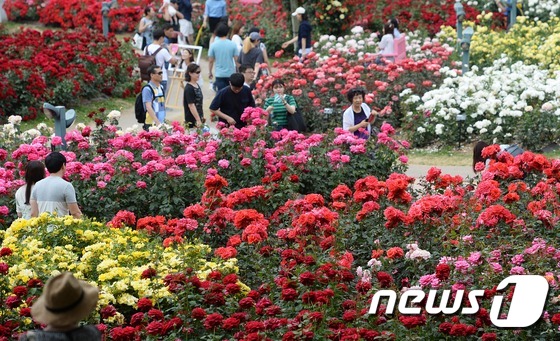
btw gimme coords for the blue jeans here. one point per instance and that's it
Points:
(220, 83)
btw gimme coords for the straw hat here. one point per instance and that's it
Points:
(65, 301)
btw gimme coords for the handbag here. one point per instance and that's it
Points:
(296, 121)
(137, 41)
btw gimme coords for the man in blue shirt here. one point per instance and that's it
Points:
(225, 53)
(231, 101)
(215, 12)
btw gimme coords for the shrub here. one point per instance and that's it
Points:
(60, 67)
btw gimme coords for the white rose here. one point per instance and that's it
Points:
(14, 119)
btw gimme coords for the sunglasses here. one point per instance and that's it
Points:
(196, 72)
(159, 73)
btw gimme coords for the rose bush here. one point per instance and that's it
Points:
(323, 80)
(162, 171)
(318, 262)
(503, 103)
(77, 14)
(528, 41)
(60, 67)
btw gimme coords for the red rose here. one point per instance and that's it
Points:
(411, 321)
(231, 323)
(349, 315)
(137, 319)
(443, 271)
(34, 283)
(123, 334)
(154, 328)
(213, 321)
(307, 278)
(555, 319)
(289, 294)
(4, 268)
(13, 302)
(20, 291)
(5, 251)
(108, 311)
(148, 273)
(144, 304)
(385, 280)
(246, 303)
(155, 314)
(198, 313)
(489, 337)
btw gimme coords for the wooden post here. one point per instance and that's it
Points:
(295, 25)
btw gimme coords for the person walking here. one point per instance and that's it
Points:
(65, 301)
(34, 172)
(215, 13)
(251, 54)
(304, 34)
(162, 55)
(153, 97)
(224, 54)
(231, 101)
(192, 98)
(146, 26)
(53, 194)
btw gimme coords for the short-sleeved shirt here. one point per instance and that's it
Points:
(304, 32)
(53, 194)
(158, 101)
(223, 51)
(162, 57)
(185, 7)
(215, 8)
(233, 104)
(21, 207)
(192, 95)
(254, 56)
(279, 112)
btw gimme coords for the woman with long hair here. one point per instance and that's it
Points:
(386, 45)
(237, 32)
(251, 54)
(34, 172)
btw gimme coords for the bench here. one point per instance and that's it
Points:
(399, 49)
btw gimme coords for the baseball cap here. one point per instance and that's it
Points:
(255, 36)
(299, 10)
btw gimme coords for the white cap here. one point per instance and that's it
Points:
(299, 10)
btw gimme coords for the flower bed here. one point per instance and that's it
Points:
(528, 41)
(161, 172)
(77, 14)
(313, 265)
(60, 67)
(503, 103)
(323, 80)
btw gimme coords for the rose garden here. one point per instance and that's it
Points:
(254, 234)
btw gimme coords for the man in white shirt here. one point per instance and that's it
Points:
(54, 194)
(163, 56)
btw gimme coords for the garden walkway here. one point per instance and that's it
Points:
(128, 120)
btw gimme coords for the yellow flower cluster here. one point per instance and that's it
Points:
(112, 259)
(532, 42)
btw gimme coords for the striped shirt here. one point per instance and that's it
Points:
(279, 112)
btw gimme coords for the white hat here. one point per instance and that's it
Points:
(299, 10)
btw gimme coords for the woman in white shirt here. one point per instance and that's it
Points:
(34, 171)
(236, 35)
(358, 117)
(386, 45)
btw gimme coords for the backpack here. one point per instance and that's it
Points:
(145, 61)
(514, 150)
(139, 110)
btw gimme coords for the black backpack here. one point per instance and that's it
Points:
(139, 110)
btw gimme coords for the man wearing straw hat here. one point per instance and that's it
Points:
(64, 302)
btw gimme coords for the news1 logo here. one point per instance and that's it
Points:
(526, 307)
